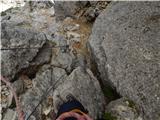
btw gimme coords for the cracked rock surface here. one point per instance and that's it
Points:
(125, 44)
(91, 98)
(28, 42)
(53, 55)
(123, 109)
(105, 54)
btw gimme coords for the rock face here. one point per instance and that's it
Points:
(125, 44)
(39, 4)
(122, 109)
(62, 60)
(79, 83)
(67, 8)
(37, 51)
(10, 115)
(45, 78)
(88, 9)
(13, 60)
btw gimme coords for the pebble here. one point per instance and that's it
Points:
(6, 93)
(75, 27)
(6, 97)
(72, 27)
(73, 36)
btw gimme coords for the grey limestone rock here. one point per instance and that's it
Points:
(78, 83)
(46, 77)
(125, 44)
(67, 8)
(62, 60)
(10, 115)
(85, 88)
(123, 109)
(19, 47)
(76, 9)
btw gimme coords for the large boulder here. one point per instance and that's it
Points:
(68, 8)
(19, 47)
(125, 45)
(78, 83)
(10, 115)
(45, 79)
(122, 109)
(87, 9)
(85, 88)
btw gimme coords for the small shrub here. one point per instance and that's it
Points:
(109, 116)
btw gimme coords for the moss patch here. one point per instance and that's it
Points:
(109, 116)
(51, 43)
(3, 13)
(131, 104)
(110, 93)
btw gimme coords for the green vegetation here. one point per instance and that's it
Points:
(24, 25)
(109, 116)
(54, 43)
(8, 10)
(51, 43)
(131, 103)
(110, 93)
(3, 13)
